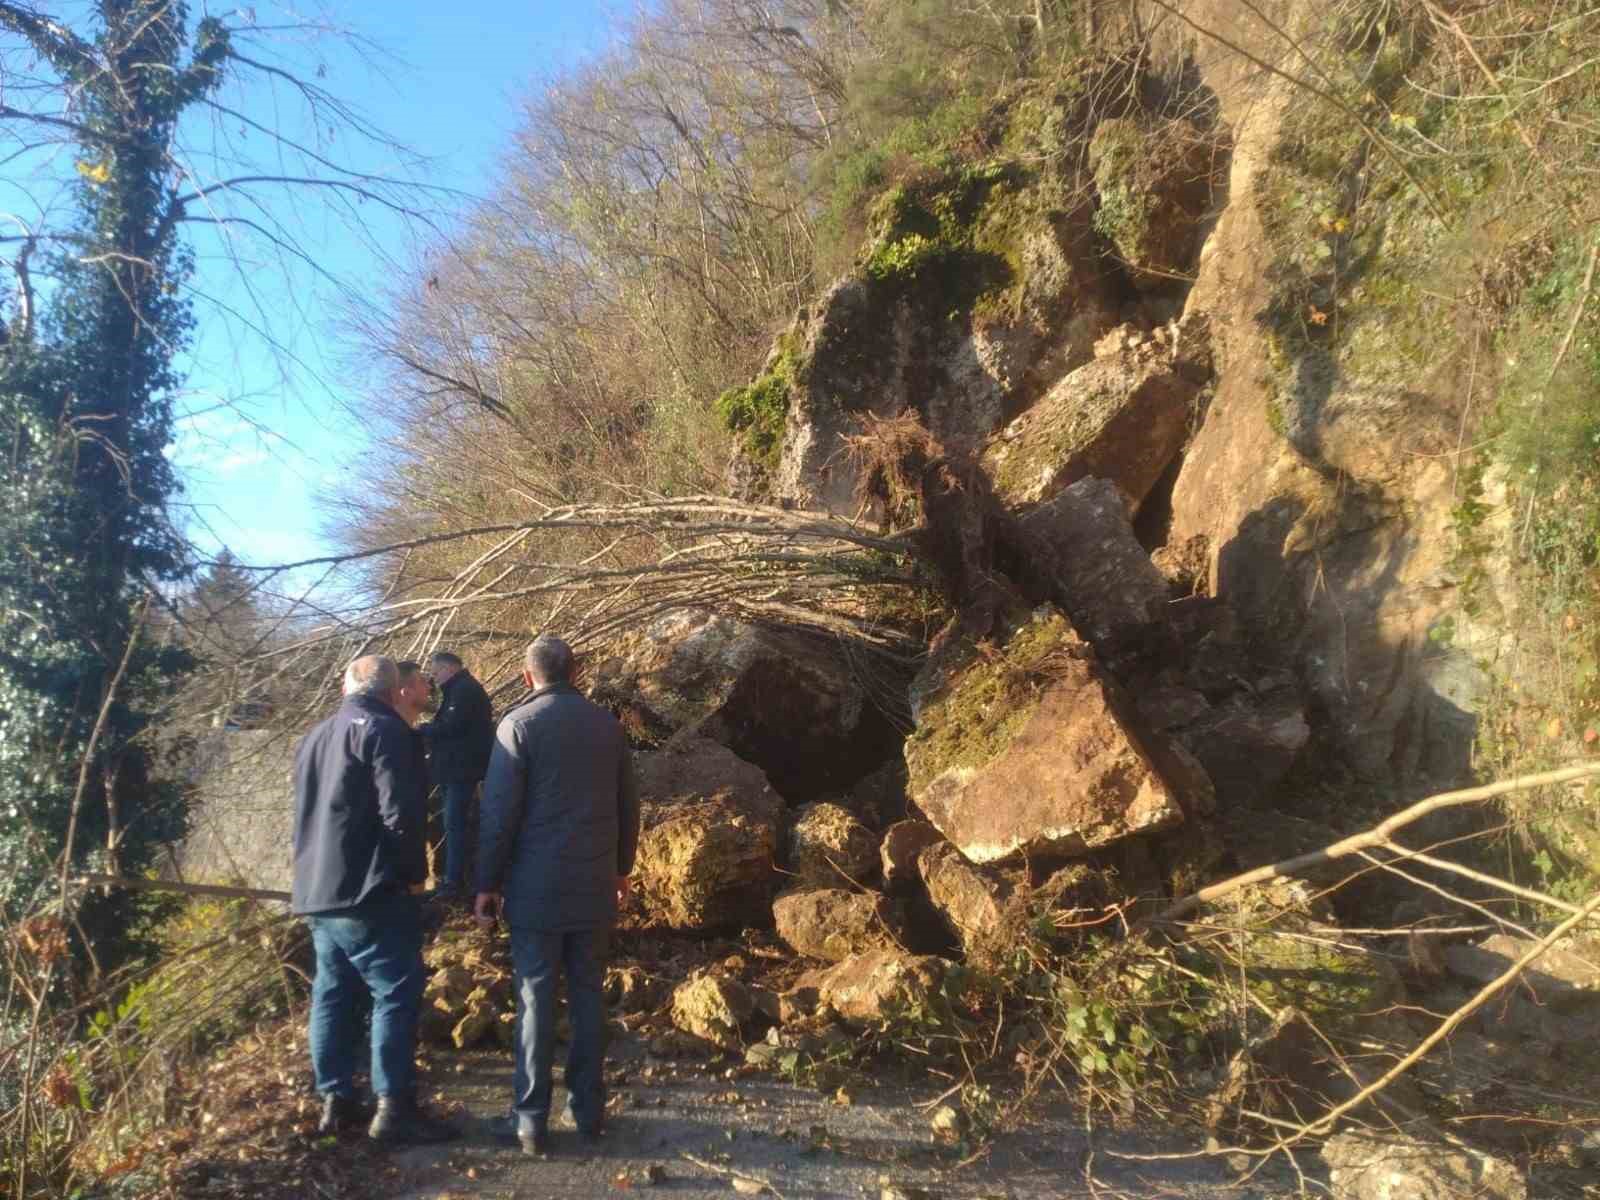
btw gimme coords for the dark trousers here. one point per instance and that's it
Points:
(539, 957)
(457, 803)
(376, 947)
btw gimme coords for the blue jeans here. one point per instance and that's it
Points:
(538, 957)
(457, 803)
(376, 946)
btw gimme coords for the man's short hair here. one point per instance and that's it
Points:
(444, 656)
(549, 659)
(407, 668)
(371, 675)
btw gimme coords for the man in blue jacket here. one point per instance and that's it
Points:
(459, 738)
(559, 831)
(359, 850)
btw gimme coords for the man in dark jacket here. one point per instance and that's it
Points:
(359, 850)
(559, 830)
(459, 738)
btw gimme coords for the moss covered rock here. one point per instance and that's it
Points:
(714, 1009)
(1155, 180)
(829, 847)
(1023, 749)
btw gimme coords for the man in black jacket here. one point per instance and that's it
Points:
(559, 831)
(459, 738)
(359, 850)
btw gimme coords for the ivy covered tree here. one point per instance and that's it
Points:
(130, 94)
(86, 388)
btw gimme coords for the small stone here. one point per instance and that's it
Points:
(948, 1123)
(748, 1187)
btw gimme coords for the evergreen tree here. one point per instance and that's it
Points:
(86, 388)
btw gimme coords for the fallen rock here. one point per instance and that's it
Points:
(1561, 978)
(971, 903)
(1122, 419)
(714, 1009)
(833, 924)
(1249, 745)
(878, 799)
(1084, 554)
(902, 843)
(828, 846)
(695, 770)
(1369, 1166)
(479, 1021)
(708, 845)
(791, 703)
(1024, 750)
(883, 986)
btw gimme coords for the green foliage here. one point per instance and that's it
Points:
(851, 178)
(757, 411)
(85, 417)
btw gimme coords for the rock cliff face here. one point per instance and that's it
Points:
(1325, 506)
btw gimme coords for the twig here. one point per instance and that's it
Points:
(1488, 992)
(183, 889)
(729, 1172)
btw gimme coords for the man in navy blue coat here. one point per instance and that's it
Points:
(459, 740)
(559, 830)
(359, 851)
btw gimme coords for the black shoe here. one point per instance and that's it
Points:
(400, 1122)
(341, 1112)
(531, 1135)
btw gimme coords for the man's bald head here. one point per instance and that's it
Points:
(372, 675)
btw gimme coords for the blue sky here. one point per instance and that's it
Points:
(264, 430)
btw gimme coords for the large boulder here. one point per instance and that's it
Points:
(1123, 417)
(708, 847)
(1083, 553)
(829, 847)
(713, 1008)
(833, 924)
(883, 987)
(697, 770)
(793, 704)
(1155, 180)
(1025, 749)
(1398, 1166)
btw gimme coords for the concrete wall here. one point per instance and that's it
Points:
(242, 814)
